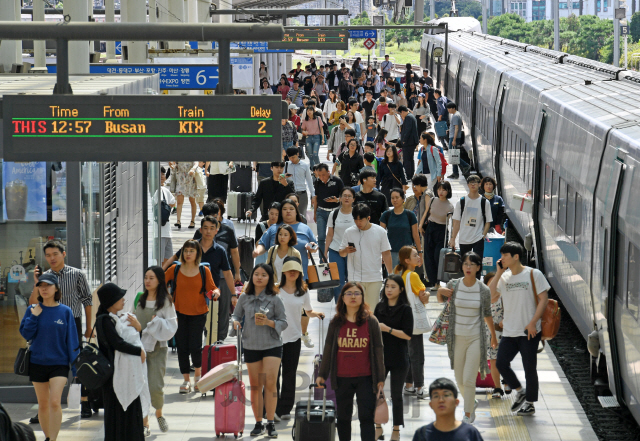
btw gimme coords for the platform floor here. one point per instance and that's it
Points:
(559, 415)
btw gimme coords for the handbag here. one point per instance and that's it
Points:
(73, 397)
(550, 321)
(21, 365)
(165, 210)
(382, 410)
(325, 295)
(421, 323)
(93, 369)
(454, 156)
(322, 275)
(200, 179)
(441, 326)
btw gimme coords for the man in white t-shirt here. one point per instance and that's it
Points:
(521, 324)
(472, 219)
(354, 107)
(365, 247)
(391, 123)
(166, 247)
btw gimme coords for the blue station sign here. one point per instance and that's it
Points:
(363, 33)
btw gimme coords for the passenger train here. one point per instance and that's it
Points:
(566, 130)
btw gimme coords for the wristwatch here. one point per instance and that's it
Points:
(390, 331)
(420, 252)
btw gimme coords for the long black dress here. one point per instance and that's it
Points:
(119, 425)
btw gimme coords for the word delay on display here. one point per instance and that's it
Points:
(142, 128)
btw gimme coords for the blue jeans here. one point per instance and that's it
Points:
(313, 149)
(262, 258)
(463, 164)
(322, 221)
(286, 145)
(334, 256)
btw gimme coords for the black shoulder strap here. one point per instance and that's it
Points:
(426, 219)
(175, 280)
(203, 275)
(461, 207)
(483, 209)
(335, 216)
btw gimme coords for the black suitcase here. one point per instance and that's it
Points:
(241, 179)
(244, 205)
(315, 419)
(246, 245)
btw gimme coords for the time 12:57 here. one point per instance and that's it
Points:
(71, 126)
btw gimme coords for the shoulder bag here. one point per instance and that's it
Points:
(550, 322)
(21, 365)
(421, 323)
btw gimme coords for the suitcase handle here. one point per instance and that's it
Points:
(324, 401)
(446, 229)
(239, 355)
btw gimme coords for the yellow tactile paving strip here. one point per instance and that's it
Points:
(509, 426)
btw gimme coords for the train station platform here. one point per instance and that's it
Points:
(559, 415)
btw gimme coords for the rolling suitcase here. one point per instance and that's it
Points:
(211, 329)
(244, 205)
(488, 380)
(241, 179)
(230, 402)
(246, 244)
(233, 204)
(443, 275)
(317, 360)
(314, 419)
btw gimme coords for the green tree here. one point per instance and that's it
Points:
(510, 26)
(634, 27)
(470, 9)
(593, 36)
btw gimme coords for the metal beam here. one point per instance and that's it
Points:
(353, 28)
(141, 31)
(279, 12)
(55, 11)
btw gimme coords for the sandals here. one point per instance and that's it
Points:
(192, 224)
(394, 438)
(379, 435)
(185, 388)
(178, 224)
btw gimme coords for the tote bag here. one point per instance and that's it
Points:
(421, 323)
(322, 275)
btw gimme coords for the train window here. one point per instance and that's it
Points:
(520, 156)
(562, 204)
(524, 165)
(571, 211)
(554, 194)
(547, 187)
(605, 258)
(633, 280)
(577, 232)
(621, 261)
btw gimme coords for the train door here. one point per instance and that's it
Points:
(497, 134)
(607, 205)
(474, 119)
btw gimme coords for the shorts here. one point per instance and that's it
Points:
(200, 195)
(40, 373)
(166, 248)
(253, 356)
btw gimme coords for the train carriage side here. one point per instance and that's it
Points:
(616, 269)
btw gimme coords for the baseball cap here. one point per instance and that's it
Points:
(48, 278)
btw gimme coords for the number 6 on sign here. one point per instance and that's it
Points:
(262, 129)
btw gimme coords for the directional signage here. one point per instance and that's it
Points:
(142, 128)
(369, 43)
(364, 33)
(172, 76)
(258, 47)
(312, 39)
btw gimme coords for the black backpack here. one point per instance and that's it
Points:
(93, 369)
(165, 210)
(482, 208)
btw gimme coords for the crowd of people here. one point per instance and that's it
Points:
(386, 247)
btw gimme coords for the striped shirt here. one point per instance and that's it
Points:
(468, 310)
(74, 289)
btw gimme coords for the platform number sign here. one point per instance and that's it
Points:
(624, 30)
(369, 43)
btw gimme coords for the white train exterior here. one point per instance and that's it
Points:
(566, 129)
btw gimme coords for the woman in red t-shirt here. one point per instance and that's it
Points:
(353, 357)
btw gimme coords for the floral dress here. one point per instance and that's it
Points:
(497, 312)
(186, 183)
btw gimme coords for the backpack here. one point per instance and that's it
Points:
(165, 210)
(93, 368)
(482, 208)
(203, 275)
(443, 162)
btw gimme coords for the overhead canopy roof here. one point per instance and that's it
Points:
(265, 4)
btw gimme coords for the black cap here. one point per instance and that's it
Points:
(109, 294)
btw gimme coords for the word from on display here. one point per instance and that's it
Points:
(142, 128)
(312, 39)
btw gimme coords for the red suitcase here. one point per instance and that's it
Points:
(217, 353)
(230, 403)
(488, 380)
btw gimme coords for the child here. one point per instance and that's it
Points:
(370, 162)
(371, 128)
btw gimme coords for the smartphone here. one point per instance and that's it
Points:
(288, 175)
(330, 198)
(38, 271)
(500, 264)
(351, 244)
(314, 246)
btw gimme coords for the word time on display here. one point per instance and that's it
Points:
(142, 128)
(312, 39)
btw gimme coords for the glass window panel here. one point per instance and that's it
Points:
(562, 204)
(578, 224)
(571, 210)
(633, 280)
(554, 194)
(547, 187)
(621, 264)
(605, 258)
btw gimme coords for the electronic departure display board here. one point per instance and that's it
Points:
(142, 128)
(312, 39)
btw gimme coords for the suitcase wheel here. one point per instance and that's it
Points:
(204, 394)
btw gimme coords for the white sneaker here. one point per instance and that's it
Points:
(421, 393)
(410, 391)
(185, 388)
(466, 419)
(147, 431)
(472, 418)
(306, 339)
